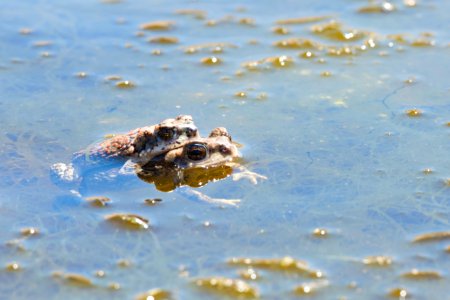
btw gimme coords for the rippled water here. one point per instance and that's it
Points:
(331, 133)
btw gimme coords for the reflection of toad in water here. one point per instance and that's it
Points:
(198, 162)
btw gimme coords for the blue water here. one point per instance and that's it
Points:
(339, 152)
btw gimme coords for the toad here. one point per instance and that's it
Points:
(197, 162)
(136, 147)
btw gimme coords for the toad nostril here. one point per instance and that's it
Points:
(191, 132)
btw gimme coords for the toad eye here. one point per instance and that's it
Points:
(196, 152)
(166, 133)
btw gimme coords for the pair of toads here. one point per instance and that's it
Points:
(173, 144)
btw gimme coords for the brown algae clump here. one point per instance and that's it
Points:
(414, 113)
(211, 61)
(157, 25)
(333, 31)
(163, 40)
(377, 8)
(302, 20)
(297, 43)
(126, 84)
(433, 236)
(249, 274)
(155, 294)
(113, 77)
(287, 263)
(74, 279)
(228, 286)
(29, 231)
(280, 30)
(240, 95)
(320, 232)
(307, 55)
(197, 13)
(310, 288)
(13, 267)
(280, 61)
(422, 42)
(128, 221)
(399, 293)
(422, 275)
(377, 261)
(98, 201)
(342, 51)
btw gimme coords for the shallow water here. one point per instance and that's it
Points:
(340, 152)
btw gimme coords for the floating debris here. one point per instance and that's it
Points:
(320, 232)
(287, 263)
(410, 80)
(228, 286)
(240, 95)
(100, 273)
(414, 113)
(281, 30)
(427, 171)
(98, 201)
(128, 221)
(25, 31)
(422, 42)
(157, 25)
(432, 236)
(42, 44)
(155, 294)
(211, 61)
(399, 293)
(280, 61)
(297, 43)
(163, 40)
(46, 54)
(197, 13)
(126, 84)
(114, 286)
(377, 8)
(333, 30)
(13, 267)
(152, 201)
(302, 20)
(422, 275)
(246, 21)
(81, 75)
(377, 261)
(325, 74)
(124, 263)
(309, 288)
(262, 96)
(307, 54)
(113, 77)
(74, 279)
(210, 46)
(410, 3)
(249, 274)
(17, 244)
(29, 231)
(156, 52)
(342, 51)
(447, 249)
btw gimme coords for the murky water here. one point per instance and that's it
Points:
(327, 120)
